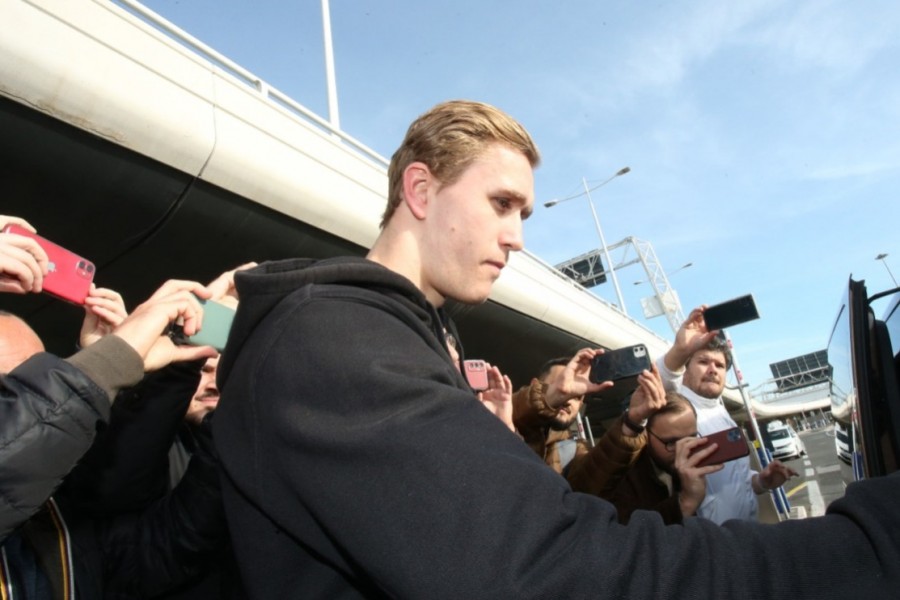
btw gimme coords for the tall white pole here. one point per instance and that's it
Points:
(333, 116)
(609, 266)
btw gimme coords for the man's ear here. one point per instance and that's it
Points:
(417, 179)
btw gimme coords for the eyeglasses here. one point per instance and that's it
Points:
(670, 443)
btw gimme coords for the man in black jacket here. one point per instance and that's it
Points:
(359, 464)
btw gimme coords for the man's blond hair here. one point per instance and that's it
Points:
(450, 137)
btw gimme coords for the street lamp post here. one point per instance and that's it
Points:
(587, 192)
(881, 257)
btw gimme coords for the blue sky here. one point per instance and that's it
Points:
(763, 136)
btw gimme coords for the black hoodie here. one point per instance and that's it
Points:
(358, 464)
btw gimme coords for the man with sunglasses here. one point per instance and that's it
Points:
(666, 477)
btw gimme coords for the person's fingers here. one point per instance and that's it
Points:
(184, 353)
(12, 242)
(594, 388)
(698, 455)
(11, 220)
(110, 316)
(16, 276)
(703, 471)
(495, 378)
(222, 287)
(173, 286)
(23, 259)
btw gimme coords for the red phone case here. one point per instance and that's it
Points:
(732, 445)
(69, 277)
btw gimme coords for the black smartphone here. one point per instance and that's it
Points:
(733, 312)
(621, 366)
(732, 445)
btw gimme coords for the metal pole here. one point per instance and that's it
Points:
(333, 116)
(781, 501)
(609, 265)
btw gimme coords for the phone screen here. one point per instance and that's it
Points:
(732, 312)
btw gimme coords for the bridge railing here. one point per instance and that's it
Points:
(241, 74)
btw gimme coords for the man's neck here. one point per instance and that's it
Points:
(700, 401)
(398, 249)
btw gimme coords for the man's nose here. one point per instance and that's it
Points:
(512, 236)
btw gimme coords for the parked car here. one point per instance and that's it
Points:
(785, 443)
(842, 443)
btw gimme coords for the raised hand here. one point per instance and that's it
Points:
(145, 329)
(104, 310)
(23, 263)
(498, 397)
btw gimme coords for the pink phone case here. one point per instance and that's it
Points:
(476, 374)
(69, 277)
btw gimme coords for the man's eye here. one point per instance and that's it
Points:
(504, 203)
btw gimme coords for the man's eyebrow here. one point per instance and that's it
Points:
(519, 199)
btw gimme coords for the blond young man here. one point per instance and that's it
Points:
(359, 464)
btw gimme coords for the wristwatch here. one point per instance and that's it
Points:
(635, 427)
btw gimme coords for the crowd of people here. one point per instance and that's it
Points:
(142, 467)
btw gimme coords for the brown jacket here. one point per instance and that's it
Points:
(642, 489)
(591, 468)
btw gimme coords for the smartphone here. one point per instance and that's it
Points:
(732, 445)
(476, 374)
(733, 312)
(621, 366)
(217, 320)
(69, 276)
(214, 331)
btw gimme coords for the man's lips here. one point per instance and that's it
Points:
(499, 264)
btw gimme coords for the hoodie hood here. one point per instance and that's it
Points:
(264, 287)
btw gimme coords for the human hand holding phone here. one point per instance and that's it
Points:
(104, 310)
(649, 397)
(689, 453)
(23, 263)
(147, 328)
(497, 396)
(65, 274)
(730, 445)
(574, 380)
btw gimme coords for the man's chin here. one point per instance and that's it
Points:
(710, 390)
(561, 424)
